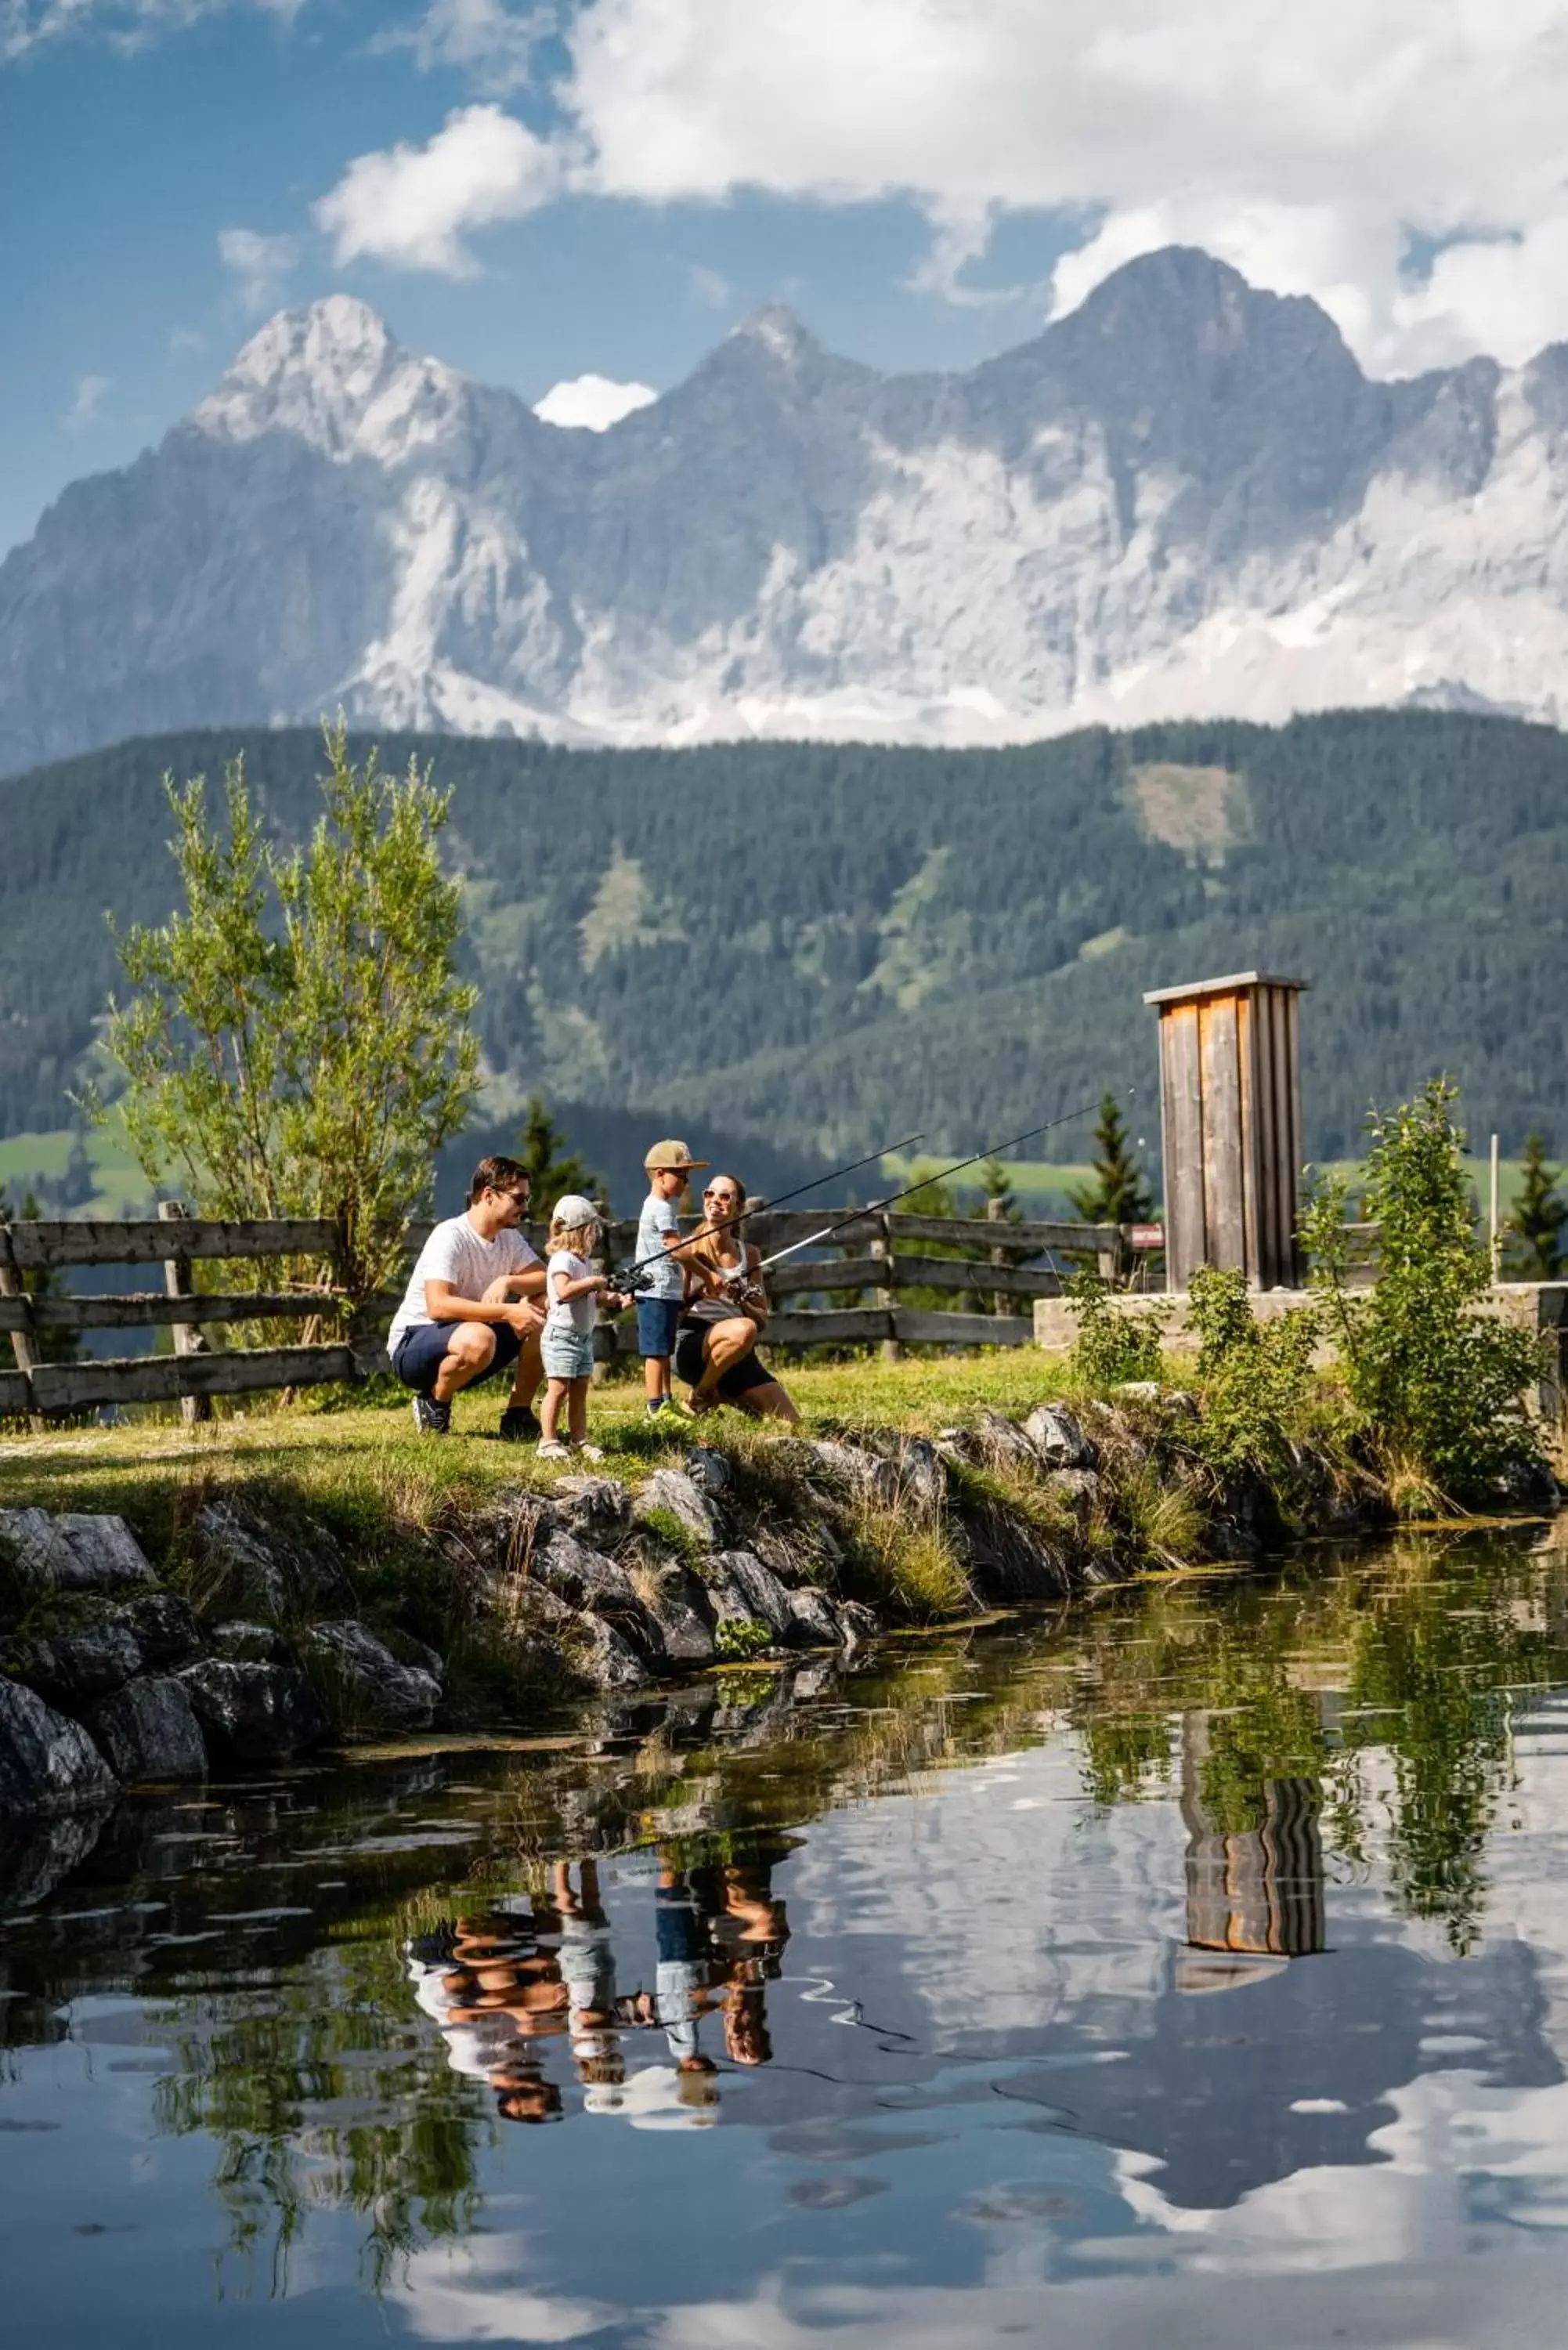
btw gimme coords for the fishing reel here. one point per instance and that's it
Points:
(630, 1280)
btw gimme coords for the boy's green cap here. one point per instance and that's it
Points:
(671, 1157)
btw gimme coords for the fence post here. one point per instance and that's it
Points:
(996, 1214)
(891, 1351)
(21, 1340)
(188, 1338)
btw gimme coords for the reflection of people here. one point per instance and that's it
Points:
(587, 1970)
(726, 1307)
(522, 2092)
(685, 1961)
(471, 1306)
(491, 1989)
(751, 1933)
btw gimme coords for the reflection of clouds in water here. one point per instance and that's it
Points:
(995, 1938)
(466, 2293)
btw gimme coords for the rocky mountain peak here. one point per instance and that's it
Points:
(334, 375)
(775, 331)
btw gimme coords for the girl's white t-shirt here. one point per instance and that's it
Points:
(571, 1312)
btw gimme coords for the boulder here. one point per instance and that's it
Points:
(37, 1854)
(603, 1656)
(850, 1468)
(256, 1713)
(761, 1594)
(262, 1571)
(856, 1624)
(240, 1643)
(812, 1622)
(1002, 1443)
(598, 1509)
(922, 1481)
(366, 1687)
(709, 1470)
(673, 1601)
(1080, 1486)
(1058, 1437)
(164, 1628)
(85, 1663)
(148, 1730)
(581, 1576)
(73, 1552)
(47, 1761)
(1012, 1566)
(672, 1490)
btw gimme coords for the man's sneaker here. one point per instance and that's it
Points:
(518, 1425)
(432, 1419)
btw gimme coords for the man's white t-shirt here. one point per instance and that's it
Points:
(456, 1253)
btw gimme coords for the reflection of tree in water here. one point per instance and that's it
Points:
(1307, 1681)
(325, 2099)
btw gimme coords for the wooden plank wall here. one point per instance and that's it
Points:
(1229, 1100)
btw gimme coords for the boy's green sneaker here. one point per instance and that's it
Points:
(657, 1404)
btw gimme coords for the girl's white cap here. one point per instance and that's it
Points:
(572, 1211)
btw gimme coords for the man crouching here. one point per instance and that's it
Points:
(474, 1303)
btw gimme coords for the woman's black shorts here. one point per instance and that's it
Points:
(746, 1374)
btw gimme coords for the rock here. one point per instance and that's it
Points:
(74, 1553)
(85, 1663)
(1081, 1487)
(47, 1761)
(1002, 1442)
(164, 1628)
(264, 1573)
(366, 1687)
(1138, 1390)
(247, 1644)
(674, 1604)
(761, 1594)
(709, 1470)
(581, 1576)
(856, 1624)
(812, 1622)
(601, 1653)
(38, 1853)
(256, 1713)
(1529, 1486)
(850, 1468)
(672, 1490)
(1058, 1437)
(922, 1481)
(597, 1508)
(1011, 1565)
(148, 1730)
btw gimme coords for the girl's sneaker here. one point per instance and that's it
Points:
(589, 1451)
(552, 1449)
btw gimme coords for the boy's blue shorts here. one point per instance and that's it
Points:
(656, 1320)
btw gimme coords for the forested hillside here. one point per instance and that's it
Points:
(831, 945)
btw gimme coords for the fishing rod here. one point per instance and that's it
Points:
(632, 1278)
(939, 1175)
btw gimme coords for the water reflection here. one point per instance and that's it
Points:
(1218, 1935)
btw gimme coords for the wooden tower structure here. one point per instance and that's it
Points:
(1230, 1118)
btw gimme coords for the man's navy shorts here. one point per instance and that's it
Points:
(656, 1318)
(421, 1353)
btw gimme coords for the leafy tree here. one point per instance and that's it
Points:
(1113, 1345)
(553, 1165)
(1533, 1243)
(298, 1043)
(1440, 1387)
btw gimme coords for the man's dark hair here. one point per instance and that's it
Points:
(497, 1175)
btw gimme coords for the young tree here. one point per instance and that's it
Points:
(1118, 1194)
(1533, 1246)
(299, 1042)
(552, 1163)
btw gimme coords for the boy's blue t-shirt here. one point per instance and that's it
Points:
(657, 1218)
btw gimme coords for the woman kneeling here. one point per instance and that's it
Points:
(725, 1308)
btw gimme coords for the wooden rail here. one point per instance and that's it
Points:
(869, 1258)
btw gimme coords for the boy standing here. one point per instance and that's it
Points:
(667, 1166)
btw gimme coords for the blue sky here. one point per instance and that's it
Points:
(535, 191)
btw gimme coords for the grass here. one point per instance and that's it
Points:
(122, 1187)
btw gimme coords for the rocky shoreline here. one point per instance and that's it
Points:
(264, 1636)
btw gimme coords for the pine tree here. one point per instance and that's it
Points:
(553, 1167)
(996, 1184)
(1119, 1193)
(1532, 1245)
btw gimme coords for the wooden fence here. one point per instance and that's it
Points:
(870, 1255)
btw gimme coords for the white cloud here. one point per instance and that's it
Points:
(87, 407)
(412, 206)
(260, 266)
(1307, 145)
(481, 38)
(709, 287)
(592, 402)
(27, 25)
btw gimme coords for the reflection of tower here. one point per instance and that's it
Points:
(1256, 1893)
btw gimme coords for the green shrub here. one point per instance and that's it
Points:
(1112, 1345)
(740, 1637)
(1439, 1387)
(1252, 1377)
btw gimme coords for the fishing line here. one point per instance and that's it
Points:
(707, 1230)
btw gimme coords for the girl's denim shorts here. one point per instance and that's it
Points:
(568, 1354)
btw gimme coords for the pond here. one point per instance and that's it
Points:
(1197, 1963)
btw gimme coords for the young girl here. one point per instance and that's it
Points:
(572, 1286)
